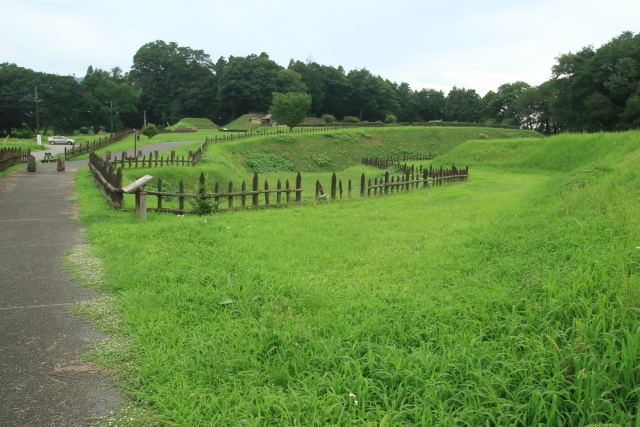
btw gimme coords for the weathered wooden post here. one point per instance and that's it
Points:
(159, 191)
(243, 189)
(362, 185)
(230, 196)
(298, 187)
(333, 186)
(255, 189)
(386, 182)
(279, 193)
(181, 198)
(287, 192)
(61, 166)
(141, 196)
(266, 192)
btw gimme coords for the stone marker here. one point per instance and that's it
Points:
(60, 164)
(31, 164)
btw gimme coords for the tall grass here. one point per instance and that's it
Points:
(512, 300)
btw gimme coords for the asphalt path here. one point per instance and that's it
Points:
(42, 380)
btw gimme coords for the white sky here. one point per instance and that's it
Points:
(477, 45)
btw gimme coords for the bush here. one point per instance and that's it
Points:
(262, 163)
(328, 118)
(350, 119)
(84, 130)
(149, 130)
(321, 160)
(390, 119)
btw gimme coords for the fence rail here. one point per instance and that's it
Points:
(78, 150)
(108, 176)
(13, 156)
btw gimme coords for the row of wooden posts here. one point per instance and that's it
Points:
(110, 181)
(77, 150)
(298, 130)
(13, 156)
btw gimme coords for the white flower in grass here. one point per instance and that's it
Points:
(355, 403)
(352, 395)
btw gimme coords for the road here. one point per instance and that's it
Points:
(42, 381)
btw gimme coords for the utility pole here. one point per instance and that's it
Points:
(38, 137)
(145, 118)
(111, 112)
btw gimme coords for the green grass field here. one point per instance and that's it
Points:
(509, 300)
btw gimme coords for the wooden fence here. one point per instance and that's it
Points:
(465, 124)
(80, 149)
(108, 179)
(230, 197)
(12, 156)
(154, 159)
(394, 162)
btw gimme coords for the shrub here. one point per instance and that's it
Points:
(149, 130)
(390, 119)
(328, 118)
(262, 163)
(84, 130)
(321, 160)
(350, 119)
(282, 138)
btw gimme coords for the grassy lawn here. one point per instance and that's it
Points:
(23, 144)
(511, 299)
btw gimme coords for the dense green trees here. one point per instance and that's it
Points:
(590, 90)
(290, 108)
(109, 95)
(175, 81)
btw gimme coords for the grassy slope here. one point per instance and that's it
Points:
(244, 123)
(344, 149)
(509, 300)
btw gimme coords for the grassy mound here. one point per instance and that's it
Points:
(338, 150)
(244, 123)
(512, 299)
(194, 123)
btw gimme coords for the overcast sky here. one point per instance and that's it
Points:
(472, 44)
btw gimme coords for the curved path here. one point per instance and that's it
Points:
(42, 382)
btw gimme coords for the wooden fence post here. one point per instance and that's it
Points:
(386, 181)
(255, 189)
(287, 191)
(181, 198)
(230, 197)
(243, 190)
(279, 193)
(298, 187)
(362, 185)
(266, 194)
(159, 191)
(333, 186)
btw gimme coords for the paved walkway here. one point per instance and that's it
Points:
(42, 382)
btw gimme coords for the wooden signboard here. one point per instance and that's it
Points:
(137, 184)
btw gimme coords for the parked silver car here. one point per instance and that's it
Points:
(59, 139)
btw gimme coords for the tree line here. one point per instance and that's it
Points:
(590, 90)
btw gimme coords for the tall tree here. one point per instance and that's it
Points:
(290, 108)
(110, 94)
(174, 80)
(596, 88)
(462, 105)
